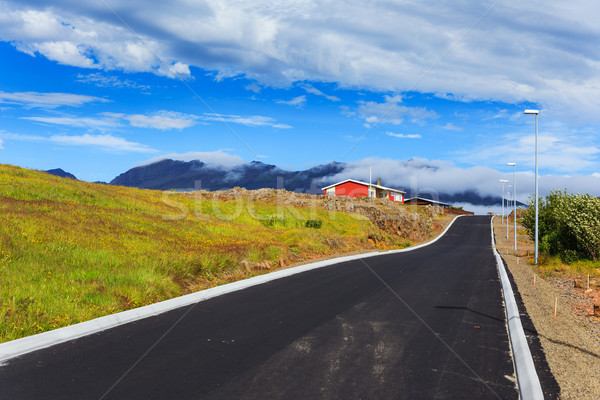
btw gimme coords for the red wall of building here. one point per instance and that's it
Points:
(351, 189)
(391, 197)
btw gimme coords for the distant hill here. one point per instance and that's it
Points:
(172, 174)
(189, 175)
(60, 172)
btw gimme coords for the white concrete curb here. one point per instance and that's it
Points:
(527, 378)
(28, 344)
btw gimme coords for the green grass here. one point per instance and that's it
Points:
(71, 251)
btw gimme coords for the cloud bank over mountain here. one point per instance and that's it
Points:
(416, 176)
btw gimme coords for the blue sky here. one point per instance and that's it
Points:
(428, 95)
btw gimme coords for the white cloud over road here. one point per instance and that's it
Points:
(519, 51)
(559, 149)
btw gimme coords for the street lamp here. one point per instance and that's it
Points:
(512, 164)
(536, 112)
(508, 193)
(503, 181)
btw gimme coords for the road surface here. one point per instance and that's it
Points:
(425, 324)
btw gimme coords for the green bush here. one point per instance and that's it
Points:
(275, 220)
(314, 223)
(569, 225)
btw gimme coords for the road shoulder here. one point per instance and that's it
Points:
(572, 353)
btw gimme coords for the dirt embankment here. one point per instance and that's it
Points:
(570, 338)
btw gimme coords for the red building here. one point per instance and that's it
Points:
(353, 188)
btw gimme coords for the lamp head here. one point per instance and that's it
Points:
(511, 164)
(504, 180)
(532, 112)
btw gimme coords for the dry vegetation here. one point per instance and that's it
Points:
(571, 340)
(72, 251)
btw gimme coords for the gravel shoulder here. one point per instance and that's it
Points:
(571, 339)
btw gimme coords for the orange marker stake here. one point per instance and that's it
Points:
(555, 306)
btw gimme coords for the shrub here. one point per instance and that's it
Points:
(275, 220)
(314, 223)
(569, 225)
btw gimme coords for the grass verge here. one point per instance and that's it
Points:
(71, 251)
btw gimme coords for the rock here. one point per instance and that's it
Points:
(281, 263)
(578, 284)
(597, 310)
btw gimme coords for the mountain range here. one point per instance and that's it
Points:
(172, 174)
(189, 175)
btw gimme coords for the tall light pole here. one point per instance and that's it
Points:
(536, 112)
(503, 181)
(512, 164)
(508, 192)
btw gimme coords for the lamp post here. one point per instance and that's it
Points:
(512, 164)
(503, 181)
(536, 112)
(508, 192)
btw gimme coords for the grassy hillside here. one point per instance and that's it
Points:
(71, 251)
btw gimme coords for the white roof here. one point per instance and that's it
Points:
(365, 184)
(429, 200)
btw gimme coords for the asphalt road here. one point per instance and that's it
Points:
(425, 324)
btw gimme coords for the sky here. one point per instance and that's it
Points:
(427, 94)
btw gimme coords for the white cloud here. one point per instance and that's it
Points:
(254, 120)
(295, 102)
(551, 59)
(253, 87)
(88, 37)
(107, 143)
(66, 53)
(101, 80)
(391, 112)
(1, 147)
(78, 122)
(451, 127)
(48, 100)
(218, 159)
(404, 135)
(559, 149)
(313, 90)
(163, 120)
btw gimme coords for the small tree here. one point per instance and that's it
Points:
(569, 225)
